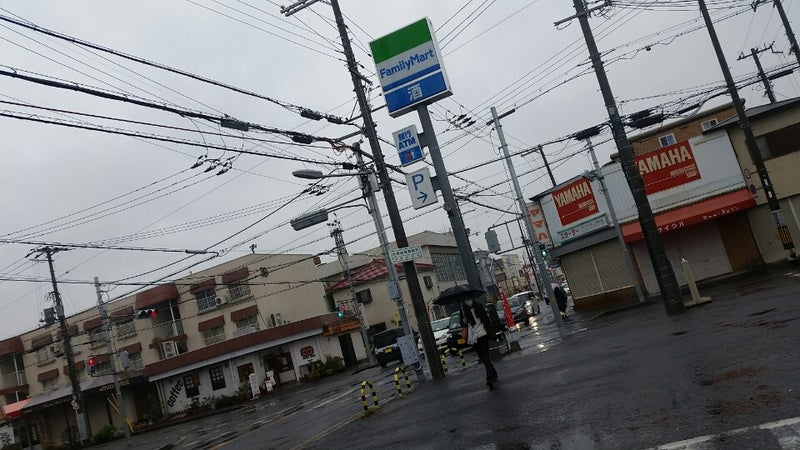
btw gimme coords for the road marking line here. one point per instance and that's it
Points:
(764, 426)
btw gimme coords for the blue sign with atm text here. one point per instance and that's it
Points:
(408, 145)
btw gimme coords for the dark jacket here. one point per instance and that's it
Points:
(561, 297)
(484, 316)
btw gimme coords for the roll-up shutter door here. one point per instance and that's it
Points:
(611, 266)
(580, 271)
(700, 244)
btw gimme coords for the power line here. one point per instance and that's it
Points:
(74, 40)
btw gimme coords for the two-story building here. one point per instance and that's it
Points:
(776, 127)
(439, 268)
(697, 193)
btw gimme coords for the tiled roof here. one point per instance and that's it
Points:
(370, 272)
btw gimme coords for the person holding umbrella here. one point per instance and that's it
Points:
(476, 322)
(474, 316)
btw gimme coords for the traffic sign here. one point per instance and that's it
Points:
(408, 146)
(404, 254)
(408, 63)
(421, 188)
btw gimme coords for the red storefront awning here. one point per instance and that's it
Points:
(14, 410)
(695, 213)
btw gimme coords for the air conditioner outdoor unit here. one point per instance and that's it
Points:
(222, 300)
(168, 347)
(55, 348)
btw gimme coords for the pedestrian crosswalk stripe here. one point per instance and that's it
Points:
(786, 431)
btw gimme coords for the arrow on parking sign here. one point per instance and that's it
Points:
(421, 188)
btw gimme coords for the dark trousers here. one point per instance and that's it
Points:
(482, 350)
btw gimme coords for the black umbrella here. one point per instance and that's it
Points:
(458, 293)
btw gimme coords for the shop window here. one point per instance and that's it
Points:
(217, 378)
(192, 385)
(206, 300)
(126, 330)
(667, 140)
(239, 291)
(285, 362)
(364, 296)
(213, 335)
(709, 124)
(244, 372)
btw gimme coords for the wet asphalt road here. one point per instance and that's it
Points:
(636, 379)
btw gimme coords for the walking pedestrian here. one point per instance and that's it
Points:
(474, 316)
(561, 299)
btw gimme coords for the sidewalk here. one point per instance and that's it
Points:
(636, 378)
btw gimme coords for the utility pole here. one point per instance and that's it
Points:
(123, 411)
(764, 79)
(545, 275)
(369, 188)
(341, 251)
(450, 203)
(587, 136)
(788, 28)
(749, 137)
(410, 269)
(547, 166)
(665, 276)
(77, 397)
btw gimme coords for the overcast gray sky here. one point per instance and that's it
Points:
(69, 185)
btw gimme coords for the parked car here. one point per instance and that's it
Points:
(440, 328)
(386, 348)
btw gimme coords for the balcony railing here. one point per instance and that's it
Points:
(13, 379)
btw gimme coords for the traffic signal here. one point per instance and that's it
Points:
(543, 249)
(91, 365)
(342, 308)
(340, 313)
(144, 313)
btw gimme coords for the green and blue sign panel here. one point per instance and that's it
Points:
(409, 67)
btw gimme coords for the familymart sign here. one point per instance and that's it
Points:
(409, 67)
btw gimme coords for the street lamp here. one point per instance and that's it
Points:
(369, 185)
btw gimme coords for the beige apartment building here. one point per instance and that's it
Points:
(260, 317)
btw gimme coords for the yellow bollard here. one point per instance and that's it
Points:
(444, 364)
(461, 355)
(364, 385)
(397, 384)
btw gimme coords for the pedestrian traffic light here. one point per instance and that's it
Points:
(144, 313)
(342, 308)
(543, 249)
(91, 365)
(340, 313)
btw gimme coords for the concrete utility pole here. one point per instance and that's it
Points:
(665, 276)
(628, 263)
(77, 397)
(341, 251)
(788, 28)
(123, 411)
(545, 275)
(547, 166)
(764, 79)
(749, 137)
(410, 269)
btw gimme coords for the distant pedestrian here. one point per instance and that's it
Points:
(561, 299)
(474, 315)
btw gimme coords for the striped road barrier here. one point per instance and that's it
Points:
(364, 385)
(397, 384)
